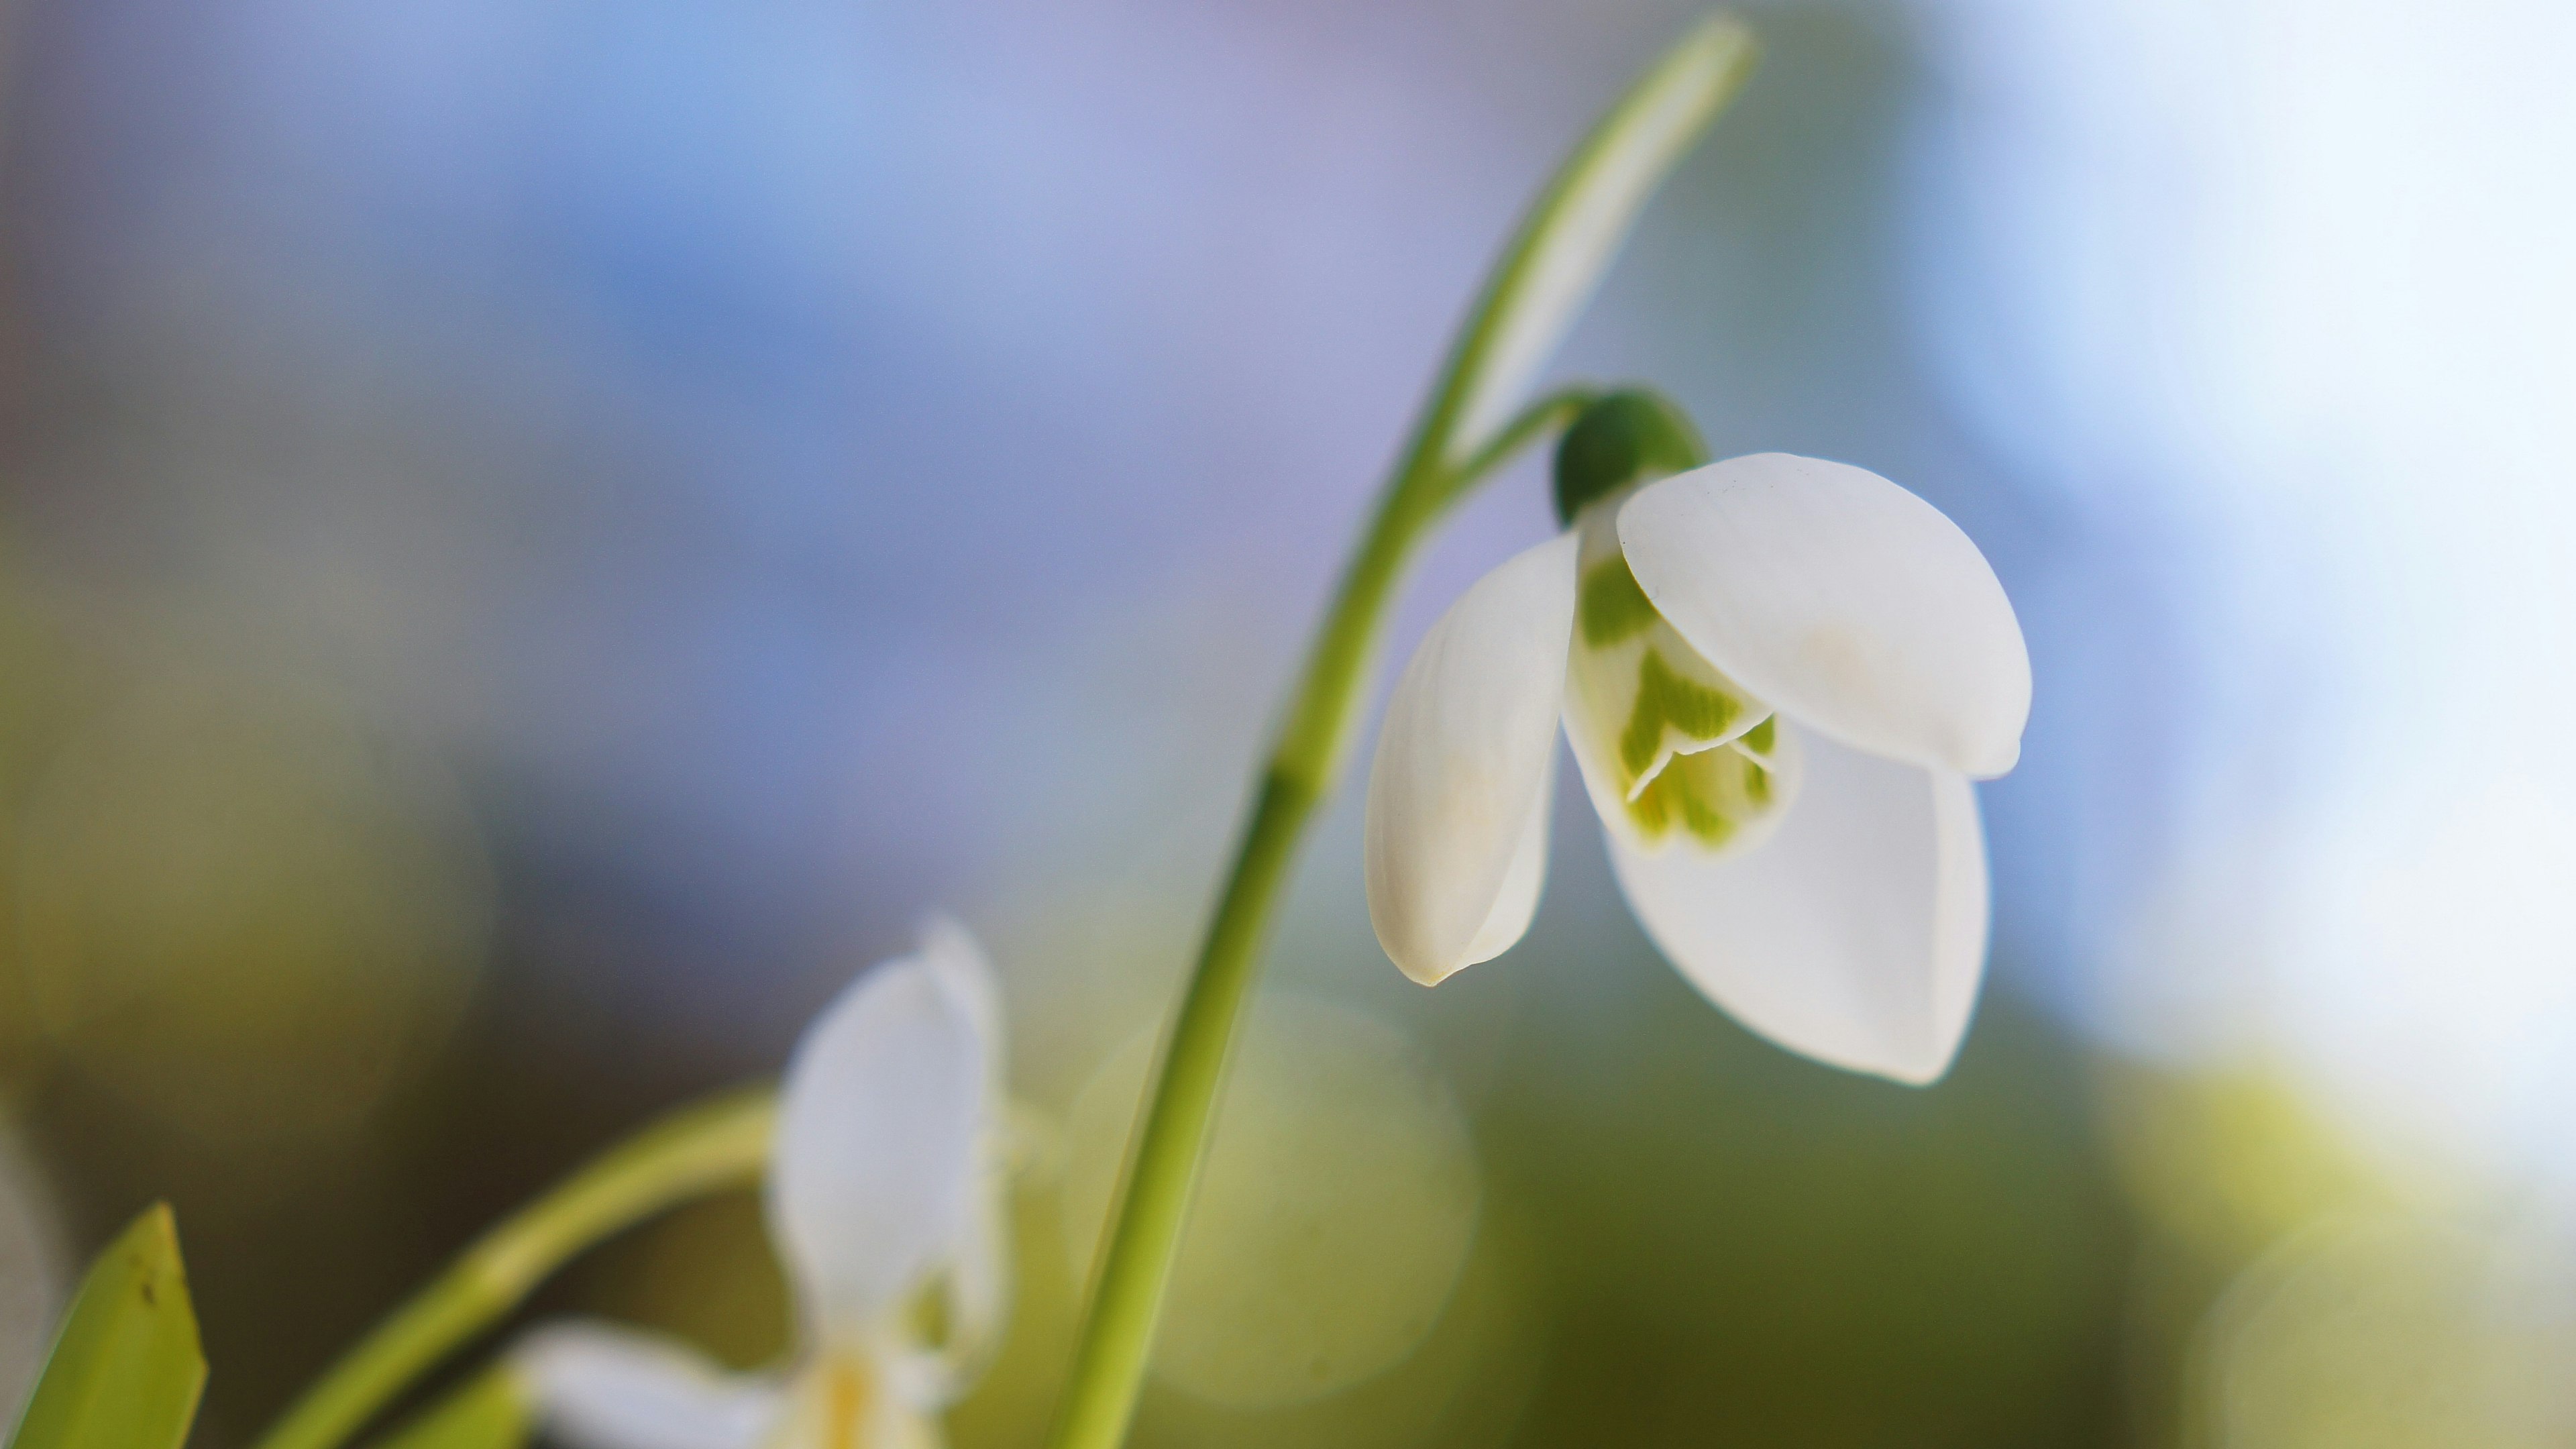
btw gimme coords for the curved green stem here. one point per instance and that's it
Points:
(488, 1411)
(1550, 414)
(1540, 283)
(694, 1152)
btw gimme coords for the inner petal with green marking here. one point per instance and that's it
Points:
(1678, 750)
(1673, 714)
(1711, 796)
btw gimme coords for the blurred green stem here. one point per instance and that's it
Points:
(694, 1152)
(1543, 278)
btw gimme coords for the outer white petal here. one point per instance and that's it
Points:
(1517, 903)
(1856, 935)
(879, 1140)
(1463, 762)
(1850, 604)
(597, 1387)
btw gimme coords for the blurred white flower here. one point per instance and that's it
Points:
(1778, 676)
(884, 1198)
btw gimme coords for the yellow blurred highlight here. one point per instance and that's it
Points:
(1466, 1385)
(2391, 1332)
(2228, 1162)
(242, 907)
(1340, 1200)
(2301, 1293)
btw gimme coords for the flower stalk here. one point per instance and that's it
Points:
(693, 1153)
(1468, 429)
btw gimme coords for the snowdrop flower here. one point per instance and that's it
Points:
(884, 1198)
(1779, 676)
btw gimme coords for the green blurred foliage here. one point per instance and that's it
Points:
(1742, 1247)
(242, 905)
(37, 661)
(243, 911)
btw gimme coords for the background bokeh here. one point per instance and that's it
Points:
(538, 537)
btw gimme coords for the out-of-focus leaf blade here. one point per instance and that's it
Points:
(490, 1412)
(126, 1369)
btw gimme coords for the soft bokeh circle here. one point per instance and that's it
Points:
(1340, 1199)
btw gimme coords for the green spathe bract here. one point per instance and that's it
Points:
(126, 1369)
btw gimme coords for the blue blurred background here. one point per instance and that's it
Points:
(537, 538)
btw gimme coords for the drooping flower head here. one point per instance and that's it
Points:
(884, 1201)
(1778, 676)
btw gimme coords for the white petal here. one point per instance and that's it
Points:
(878, 1139)
(1462, 761)
(1856, 935)
(1517, 905)
(1567, 244)
(977, 1284)
(598, 1387)
(1850, 604)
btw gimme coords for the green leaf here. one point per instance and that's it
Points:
(126, 1369)
(490, 1412)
